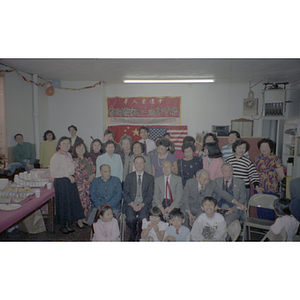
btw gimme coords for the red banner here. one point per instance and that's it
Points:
(143, 110)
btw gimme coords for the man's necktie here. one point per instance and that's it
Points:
(226, 185)
(168, 189)
(139, 180)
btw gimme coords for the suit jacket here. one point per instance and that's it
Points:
(295, 198)
(128, 165)
(192, 199)
(176, 190)
(238, 188)
(130, 189)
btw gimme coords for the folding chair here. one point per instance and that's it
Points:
(122, 222)
(281, 237)
(233, 230)
(258, 201)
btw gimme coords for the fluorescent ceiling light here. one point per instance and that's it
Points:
(169, 81)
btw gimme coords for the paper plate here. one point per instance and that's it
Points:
(4, 200)
(10, 206)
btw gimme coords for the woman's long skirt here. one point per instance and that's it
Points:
(67, 201)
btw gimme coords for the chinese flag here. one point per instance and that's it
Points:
(131, 130)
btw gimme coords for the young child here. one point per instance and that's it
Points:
(176, 232)
(285, 220)
(209, 226)
(153, 229)
(106, 227)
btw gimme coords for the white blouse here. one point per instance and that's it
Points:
(61, 165)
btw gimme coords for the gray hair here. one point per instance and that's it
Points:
(200, 172)
(226, 164)
(126, 137)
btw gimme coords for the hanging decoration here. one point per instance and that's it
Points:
(55, 83)
(50, 91)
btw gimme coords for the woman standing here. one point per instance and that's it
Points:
(126, 143)
(243, 167)
(163, 155)
(67, 201)
(137, 149)
(190, 164)
(95, 150)
(47, 148)
(269, 167)
(85, 172)
(213, 161)
(112, 159)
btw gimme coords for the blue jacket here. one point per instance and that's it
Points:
(109, 192)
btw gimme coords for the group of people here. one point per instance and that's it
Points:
(165, 194)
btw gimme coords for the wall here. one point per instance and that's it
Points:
(202, 105)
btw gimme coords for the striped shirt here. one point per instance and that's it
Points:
(243, 168)
(227, 151)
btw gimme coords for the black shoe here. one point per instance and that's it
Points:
(69, 228)
(64, 230)
(131, 240)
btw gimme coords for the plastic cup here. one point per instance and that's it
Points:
(49, 185)
(37, 193)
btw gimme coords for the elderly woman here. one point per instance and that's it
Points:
(243, 167)
(47, 148)
(137, 149)
(163, 145)
(212, 162)
(67, 201)
(95, 150)
(190, 164)
(85, 172)
(112, 159)
(125, 143)
(269, 167)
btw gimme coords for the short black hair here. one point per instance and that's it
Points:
(92, 144)
(101, 210)
(240, 142)
(268, 141)
(140, 156)
(189, 138)
(60, 140)
(137, 142)
(47, 132)
(167, 133)
(109, 142)
(155, 211)
(17, 135)
(163, 142)
(176, 212)
(144, 127)
(73, 127)
(108, 131)
(74, 153)
(209, 198)
(212, 135)
(235, 132)
(188, 145)
(213, 150)
(282, 206)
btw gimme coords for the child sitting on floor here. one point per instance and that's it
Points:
(105, 226)
(285, 220)
(153, 229)
(177, 232)
(209, 226)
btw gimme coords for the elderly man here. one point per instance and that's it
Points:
(236, 188)
(105, 189)
(168, 189)
(196, 189)
(24, 156)
(138, 195)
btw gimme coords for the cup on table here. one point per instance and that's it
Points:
(49, 185)
(37, 193)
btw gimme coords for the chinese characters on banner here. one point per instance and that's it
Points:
(143, 110)
(177, 133)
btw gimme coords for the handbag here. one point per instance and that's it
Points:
(33, 224)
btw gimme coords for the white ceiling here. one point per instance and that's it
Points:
(113, 71)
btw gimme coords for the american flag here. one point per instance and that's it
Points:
(177, 133)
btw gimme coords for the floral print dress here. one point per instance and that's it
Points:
(81, 176)
(266, 167)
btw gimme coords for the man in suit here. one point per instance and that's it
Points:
(295, 198)
(138, 195)
(168, 189)
(196, 189)
(236, 188)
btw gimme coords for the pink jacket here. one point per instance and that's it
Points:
(111, 234)
(214, 168)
